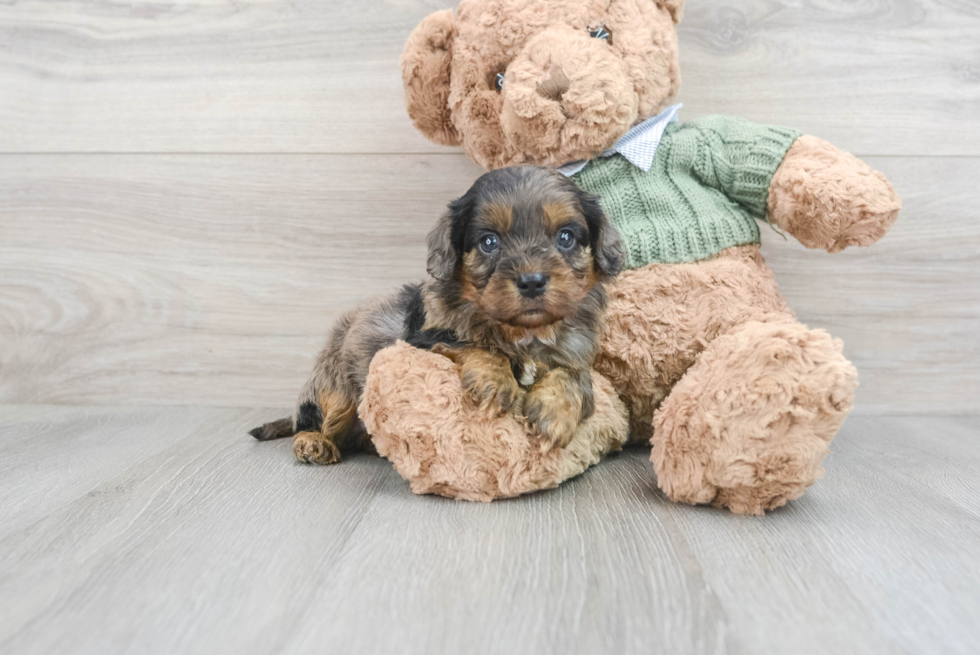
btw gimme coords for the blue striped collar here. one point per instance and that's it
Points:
(639, 145)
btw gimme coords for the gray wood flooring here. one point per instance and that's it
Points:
(168, 530)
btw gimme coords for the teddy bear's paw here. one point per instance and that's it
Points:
(489, 382)
(553, 408)
(872, 214)
(314, 448)
(749, 424)
(830, 199)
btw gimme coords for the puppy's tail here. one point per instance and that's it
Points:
(275, 430)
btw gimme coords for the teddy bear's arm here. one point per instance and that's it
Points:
(830, 199)
(734, 156)
(824, 197)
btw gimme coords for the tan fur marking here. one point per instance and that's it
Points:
(338, 413)
(517, 334)
(314, 448)
(499, 217)
(554, 407)
(323, 447)
(548, 333)
(488, 379)
(436, 314)
(557, 214)
(469, 290)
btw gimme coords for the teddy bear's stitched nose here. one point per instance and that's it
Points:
(555, 86)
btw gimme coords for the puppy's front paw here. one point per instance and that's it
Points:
(553, 408)
(313, 448)
(490, 384)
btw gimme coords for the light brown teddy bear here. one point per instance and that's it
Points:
(738, 399)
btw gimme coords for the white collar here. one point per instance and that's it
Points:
(639, 145)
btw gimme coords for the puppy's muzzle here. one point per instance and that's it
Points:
(532, 285)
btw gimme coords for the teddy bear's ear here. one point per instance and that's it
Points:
(425, 74)
(675, 7)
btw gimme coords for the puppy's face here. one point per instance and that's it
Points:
(525, 246)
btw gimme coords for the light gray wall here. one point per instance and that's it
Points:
(191, 192)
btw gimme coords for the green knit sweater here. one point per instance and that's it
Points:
(708, 183)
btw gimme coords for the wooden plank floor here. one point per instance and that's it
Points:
(168, 530)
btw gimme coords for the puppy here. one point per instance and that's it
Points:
(515, 296)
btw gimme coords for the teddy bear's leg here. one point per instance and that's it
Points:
(661, 317)
(749, 424)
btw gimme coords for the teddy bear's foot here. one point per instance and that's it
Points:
(749, 424)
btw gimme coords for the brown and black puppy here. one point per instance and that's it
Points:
(515, 297)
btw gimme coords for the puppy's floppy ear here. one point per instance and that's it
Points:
(446, 240)
(426, 64)
(607, 247)
(675, 7)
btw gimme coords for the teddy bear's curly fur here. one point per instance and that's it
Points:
(738, 399)
(421, 420)
(451, 62)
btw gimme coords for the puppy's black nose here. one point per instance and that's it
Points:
(532, 285)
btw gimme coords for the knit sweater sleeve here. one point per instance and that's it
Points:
(738, 157)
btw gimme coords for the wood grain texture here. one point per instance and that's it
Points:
(213, 543)
(896, 77)
(212, 280)
(52, 458)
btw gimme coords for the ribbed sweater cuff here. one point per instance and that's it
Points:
(754, 175)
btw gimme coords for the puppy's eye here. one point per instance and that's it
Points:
(600, 32)
(566, 240)
(489, 243)
(498, 82)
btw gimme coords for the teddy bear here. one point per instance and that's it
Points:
(738, 399)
